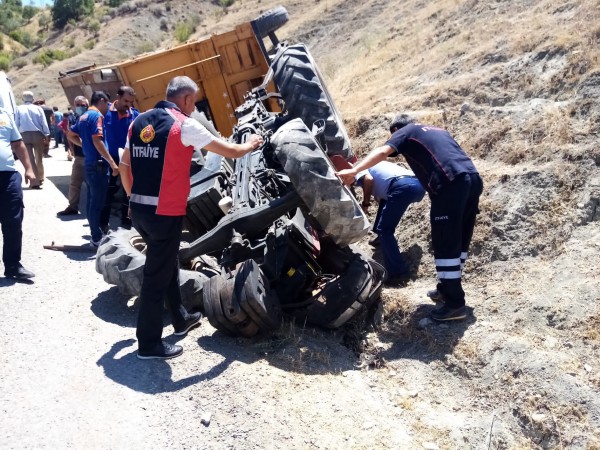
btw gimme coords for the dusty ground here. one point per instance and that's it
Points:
(517, 82)
(522, 372)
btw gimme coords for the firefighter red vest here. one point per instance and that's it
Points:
(160, 163)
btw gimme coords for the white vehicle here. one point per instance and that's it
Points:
(7, 98)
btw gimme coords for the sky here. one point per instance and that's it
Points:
(37, 2)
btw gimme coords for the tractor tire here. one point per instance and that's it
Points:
(242, 304)
(270, 21)
(350, 294)
(306, 97)
(330, 202)
(120, 260)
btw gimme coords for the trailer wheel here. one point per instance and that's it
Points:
(120, 260)
(310, 171)
(270, 21)
(306, 97)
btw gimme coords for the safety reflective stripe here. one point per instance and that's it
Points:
(447, 262)
(448, 268)
(463, 259)
(144, 199)
(448, 275)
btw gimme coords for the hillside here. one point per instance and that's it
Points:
(518, 84)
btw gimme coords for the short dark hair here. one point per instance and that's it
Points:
(125, 90)
(400, 121)
(99, 95)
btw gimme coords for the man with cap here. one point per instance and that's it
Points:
(454, 188)
(32, 125)
(394, 188)
(49, 115)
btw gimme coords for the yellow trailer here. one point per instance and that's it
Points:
(225, 67)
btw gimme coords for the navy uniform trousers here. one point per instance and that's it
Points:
(11, 217)
(453, 213)
(162, 235)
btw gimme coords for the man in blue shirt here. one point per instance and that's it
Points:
(88, 133)
(395, 188)
(58, 117)
(11, 196)
(454, 188)
(119, 117)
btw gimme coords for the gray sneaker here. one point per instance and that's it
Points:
(436, 296)
(444, 313)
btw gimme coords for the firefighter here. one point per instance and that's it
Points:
(454, 187)
(155, 169)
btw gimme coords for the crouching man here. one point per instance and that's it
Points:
(395, 188)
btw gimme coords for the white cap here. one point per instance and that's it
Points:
(27, 96)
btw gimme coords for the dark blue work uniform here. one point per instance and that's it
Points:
(454, 188)
(97, 169)
(116, 126)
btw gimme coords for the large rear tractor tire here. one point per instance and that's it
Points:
(313, 176)
(120, 260)
(306, 97)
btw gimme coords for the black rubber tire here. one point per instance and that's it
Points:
(270, 21)
(306, 97)
(241, 305)
(121, 262)
(312, 175)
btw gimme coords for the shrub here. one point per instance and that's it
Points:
(48, 56)
(4, 62)
(144, 47)
(157, 11)
(88, 45)
(69, 42)
(225, 3)
(183, 30)
(22, 36)
(93, 25)
(44, 22)
(19, 63)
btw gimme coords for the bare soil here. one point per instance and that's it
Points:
(517, 83)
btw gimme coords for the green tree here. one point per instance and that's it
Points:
(29, 12)
(65, 10)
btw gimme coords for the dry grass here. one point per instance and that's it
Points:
(591, 332)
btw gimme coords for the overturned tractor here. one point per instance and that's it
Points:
(269, 233)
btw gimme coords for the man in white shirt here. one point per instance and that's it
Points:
(395, 188)
(32, 125)
(155, 172)
(11, 196)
